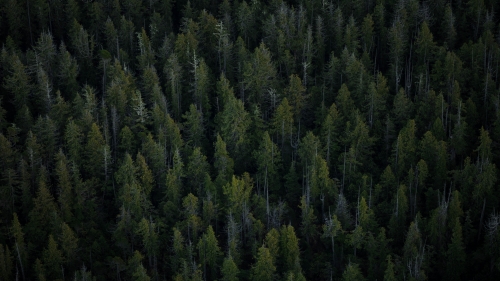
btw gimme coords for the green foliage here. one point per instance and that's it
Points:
(389, 274)
(229, 270)
(95, 152)
(222, 162)
(252, 140)
(289, 250)
(455, 255)
(283, 123)
(194, 126)
(209, 251)
(52, 259)
(6, 263)
(234, 122)
(352, 272)
(263, 269)
(43, 216)
(68, 242)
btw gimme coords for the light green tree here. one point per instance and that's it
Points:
(389, 274)
(289, 250)
(352, 272)
(264, 268)
(229, 270)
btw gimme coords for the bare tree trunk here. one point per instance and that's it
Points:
(20, 261)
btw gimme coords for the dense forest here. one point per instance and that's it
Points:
(259, 140)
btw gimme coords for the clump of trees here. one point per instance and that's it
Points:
(259, 140)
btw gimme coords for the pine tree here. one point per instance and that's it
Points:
(150, 241)
(69, 244)
(389, 274)
(192, 220)
(331, 229)
(43, 216)
(94, 149)
(194, 127)
(178, 250)
(259, 77)
(209, 250)
(18, 83)
(296, 94)
(229, 270)
(233, 125)
(52, 259)
(377, 100)
(263, 269)
(413, 252)
(289, 250)
(455, 255)
(330, 134)
(352, 272)
(6, 263)
(268, 160)
(283, 123)
(8, 174)
(197, 171)
(222, 162)
(65, 198)
(173, 71)
(200, 85)
(20, 246)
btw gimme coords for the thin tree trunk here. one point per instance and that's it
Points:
(31, 36)
(20, 261)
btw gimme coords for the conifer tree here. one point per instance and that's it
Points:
(263, 269)
(20, 246)
(6, 263)
(229, 270)
(52, 259)
(352, 272)
(69, 244)
(209, 251)
(455, 255)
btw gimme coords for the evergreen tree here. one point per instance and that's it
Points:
(264, 268)
(6, 263)
(69, 244)
(20, 246)
(229, 270)
(18, 83)
(43, 216)
(352, 272)
(209, 251)
(289, 250)
(52, 259)
(455, 255)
